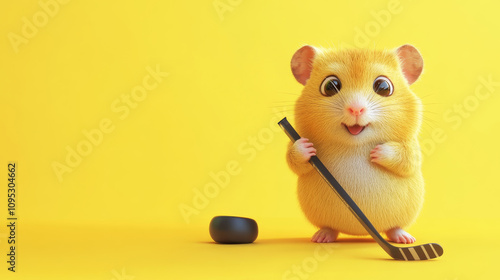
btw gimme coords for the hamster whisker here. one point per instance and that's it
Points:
(285, 112)
(430, 121)
(284, 102)
(282, 106)
(432, 104)
(291, 104)
(289, 93)
(281, 109)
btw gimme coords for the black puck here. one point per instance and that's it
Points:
(233, 230)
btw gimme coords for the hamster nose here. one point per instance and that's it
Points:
(356, 110)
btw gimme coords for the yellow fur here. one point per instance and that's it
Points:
(390, 192)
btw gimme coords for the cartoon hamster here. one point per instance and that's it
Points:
(358, 112)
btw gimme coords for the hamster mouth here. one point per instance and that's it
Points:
(355, 129)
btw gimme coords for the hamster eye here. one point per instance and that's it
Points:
(330, 86)
(383, 86)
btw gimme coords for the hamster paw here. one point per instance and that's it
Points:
(398, 235)
(325, 235)
(382, 154)
(303, 150)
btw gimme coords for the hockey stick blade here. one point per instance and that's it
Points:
(415, 253)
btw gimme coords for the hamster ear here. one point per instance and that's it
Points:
(412, 62)
(302, 62)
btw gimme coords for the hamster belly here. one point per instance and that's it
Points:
(387, 200)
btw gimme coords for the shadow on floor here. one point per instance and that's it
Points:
(296, 240)
(308, 240)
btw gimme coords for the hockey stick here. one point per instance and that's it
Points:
(415, 253)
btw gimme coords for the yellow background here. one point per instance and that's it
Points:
(117, 214)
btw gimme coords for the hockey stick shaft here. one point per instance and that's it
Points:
(339, 190)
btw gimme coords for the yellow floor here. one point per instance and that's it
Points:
(120, 253)
(123, 113)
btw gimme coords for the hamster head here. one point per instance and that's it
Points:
(358, 96)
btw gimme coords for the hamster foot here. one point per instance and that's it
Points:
(325, 235)
(398, 235)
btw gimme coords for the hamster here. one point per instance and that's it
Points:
(360, 115)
